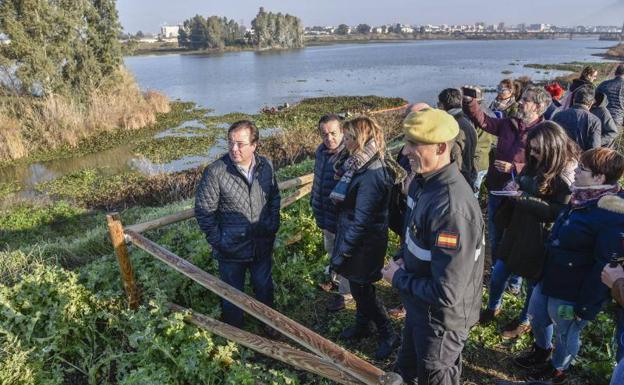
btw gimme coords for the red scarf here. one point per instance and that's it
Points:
(583, 195)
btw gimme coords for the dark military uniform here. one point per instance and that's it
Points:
(441, 280)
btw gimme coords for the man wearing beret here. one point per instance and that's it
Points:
(439, 269)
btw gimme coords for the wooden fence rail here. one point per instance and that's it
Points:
(271, 348)
(329, 360)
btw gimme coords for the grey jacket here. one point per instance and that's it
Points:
(239, 219)
(614, 89)
(441, 282)
(581, 125)
(610, 130)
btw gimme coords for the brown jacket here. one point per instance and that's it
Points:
(617, 291)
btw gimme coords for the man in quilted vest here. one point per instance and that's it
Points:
(237, 206)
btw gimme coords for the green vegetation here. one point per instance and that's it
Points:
(62, 79)
(276, 30)
(211, 32)
(8, 189)
(166, 149)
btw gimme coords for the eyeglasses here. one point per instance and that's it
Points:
(237, 144)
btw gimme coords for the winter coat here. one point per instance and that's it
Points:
(522, 245)
(468, 146)
(614, 89)
(362, 231)
(324, 182)
(239, 218)
(511, 133)
(552, 109)
(581, 243)
(441, 280)
(581, 126)
(610, 130)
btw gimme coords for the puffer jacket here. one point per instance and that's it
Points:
(614, 89)
(610, 130)
(581, 126)
(581, 243)
(324, 182)
(239, 219)
(362, 233)
(511, 133)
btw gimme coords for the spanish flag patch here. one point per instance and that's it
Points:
(447, 240)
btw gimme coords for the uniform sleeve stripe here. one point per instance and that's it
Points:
(417, 251)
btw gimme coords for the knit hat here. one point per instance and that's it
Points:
(555, 90)
(430, 126)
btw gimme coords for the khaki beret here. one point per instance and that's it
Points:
(430, 126)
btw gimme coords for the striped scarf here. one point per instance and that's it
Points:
(345, 171)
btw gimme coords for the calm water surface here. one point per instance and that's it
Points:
(416, 71)
(246, 81)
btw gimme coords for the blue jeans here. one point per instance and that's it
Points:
(233, 273)
(498, 280)
(619, 334)
(618, 374)
(546, 322)
(495, 235)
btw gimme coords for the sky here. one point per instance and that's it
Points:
(149, 15)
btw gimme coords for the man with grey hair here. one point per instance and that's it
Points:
(509, 158)
(579, 123)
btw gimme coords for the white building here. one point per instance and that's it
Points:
(169, 31)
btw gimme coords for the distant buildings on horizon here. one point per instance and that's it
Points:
(169, 33)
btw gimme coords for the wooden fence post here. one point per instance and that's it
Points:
(116, 231)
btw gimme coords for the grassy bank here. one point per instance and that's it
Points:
(34, 126)
(616, 52)
(60, 272)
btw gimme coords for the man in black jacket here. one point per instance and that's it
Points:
(327, 154)
(237, 206)
(581, 125)
(450, 100)
(610, 130)
(440, 270)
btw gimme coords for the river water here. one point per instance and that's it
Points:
(247, 81)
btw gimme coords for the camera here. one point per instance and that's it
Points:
(471, 91)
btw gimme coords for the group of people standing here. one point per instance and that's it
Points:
(555, 219)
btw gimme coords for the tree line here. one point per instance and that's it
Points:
(270, 30)
(58, 47)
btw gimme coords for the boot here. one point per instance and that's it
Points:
(537, 357)
(515, 330)
(355, 332)
(337, 303)
(550, 375)
(388, 340)
(487, 315)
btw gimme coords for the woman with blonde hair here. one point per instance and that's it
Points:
(361, 197)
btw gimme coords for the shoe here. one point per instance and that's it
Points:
(386, 346)
(550, 375)
(536, 358)
(327, 286)
(515, 330)
(355, 332)
(487, 315)
(397, 312)
(336, 303)
(270, 332)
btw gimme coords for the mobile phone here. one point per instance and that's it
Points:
(469, 91)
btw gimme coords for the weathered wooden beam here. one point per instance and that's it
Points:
(319, 345)
(163, 221)
(116, 231)
(294, 197)
(295, 182)
(190, 213)
(274, 349)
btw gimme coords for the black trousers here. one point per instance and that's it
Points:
(432, 356)
(369, 307)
